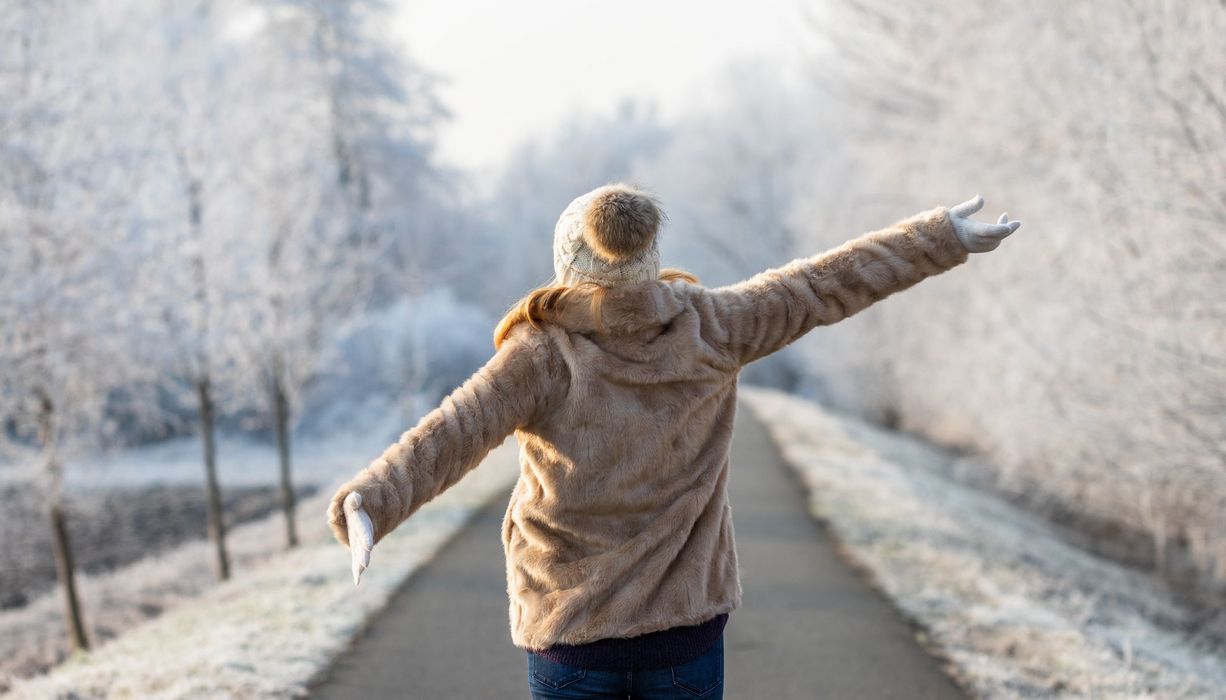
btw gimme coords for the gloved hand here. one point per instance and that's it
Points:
(977, 236)
(352, 526)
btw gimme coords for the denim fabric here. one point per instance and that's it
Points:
(701, 678)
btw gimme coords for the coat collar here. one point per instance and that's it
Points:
(625, 309)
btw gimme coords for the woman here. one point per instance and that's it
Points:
(619, 382)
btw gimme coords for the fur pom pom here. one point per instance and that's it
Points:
(620, 222)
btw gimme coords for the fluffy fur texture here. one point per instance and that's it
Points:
(620, 222)
(620, 524)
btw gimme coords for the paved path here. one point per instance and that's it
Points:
(807, 626)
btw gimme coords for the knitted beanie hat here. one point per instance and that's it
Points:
(608, 236)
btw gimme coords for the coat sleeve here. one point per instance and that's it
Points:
(756, 317)
(520, 382)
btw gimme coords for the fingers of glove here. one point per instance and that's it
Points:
(974, 237)
(968, 207)
(361, 528)
(980, 244)
(359, 556)
(986, 230)
(364, 529)
(1004, 219)
(361, 535)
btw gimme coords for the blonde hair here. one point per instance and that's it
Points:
(532, 307)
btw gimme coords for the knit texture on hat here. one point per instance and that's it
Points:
(608, 236)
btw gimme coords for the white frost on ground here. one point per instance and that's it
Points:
(32, 637)
(282, 617)
(1017, 611)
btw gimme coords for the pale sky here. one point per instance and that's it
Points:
(517, 68)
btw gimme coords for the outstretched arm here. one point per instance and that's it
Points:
(766, 312)
(517, 384)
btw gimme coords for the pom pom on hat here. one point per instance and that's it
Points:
(620, 222)
(608, 236)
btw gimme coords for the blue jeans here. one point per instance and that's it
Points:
(701, 678)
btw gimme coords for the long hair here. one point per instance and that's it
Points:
(532, 308)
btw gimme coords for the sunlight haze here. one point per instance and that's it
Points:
(514, 70)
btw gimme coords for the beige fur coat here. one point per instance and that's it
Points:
(620, 523)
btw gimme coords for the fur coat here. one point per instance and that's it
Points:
(620, 523)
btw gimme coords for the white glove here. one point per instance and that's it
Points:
(361, 534)
(977, 236)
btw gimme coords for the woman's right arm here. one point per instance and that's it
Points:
(766, 312)
(523, 380)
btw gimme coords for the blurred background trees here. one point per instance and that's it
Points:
(1085, 363)
(195, 195)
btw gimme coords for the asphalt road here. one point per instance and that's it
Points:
(808, 627)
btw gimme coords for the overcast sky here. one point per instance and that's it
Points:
(517, 69)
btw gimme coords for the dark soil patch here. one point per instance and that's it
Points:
(110, 528)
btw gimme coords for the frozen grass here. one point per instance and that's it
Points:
(110, 529)
(1017, 611)
(275, 625)
(32, 637)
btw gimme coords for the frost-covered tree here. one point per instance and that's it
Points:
(191, 279)
(194, 196)
(380, 116)
(1098, 380)
(336, 171)
(66, 367)
(293, 218)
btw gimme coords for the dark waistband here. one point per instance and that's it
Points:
(670, 647)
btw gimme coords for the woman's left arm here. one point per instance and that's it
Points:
(761, 315)
(518, 383)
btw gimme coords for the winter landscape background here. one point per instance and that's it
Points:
(292, 225)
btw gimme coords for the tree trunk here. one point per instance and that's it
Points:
(66, 571)
(217, 527)
(61, 547)
(281, 415)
